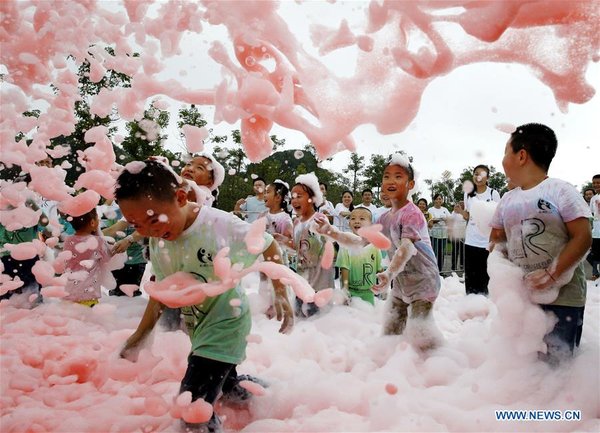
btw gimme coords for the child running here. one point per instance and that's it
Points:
(88, 262)
(185, 236)
(544, 222)
(358, 266)
(309, 245)
(413, 269)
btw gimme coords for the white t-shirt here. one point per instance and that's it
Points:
(341, 222)
(253, 208)
(595, 208)
(379, 212)
(473, 235)
(534, 223)
(439, 229)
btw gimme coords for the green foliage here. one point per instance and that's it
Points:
(355, 169)
(145, 136)
(374, 175)
(452, 189)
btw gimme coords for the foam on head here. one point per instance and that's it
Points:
(403, 161)
(311, 181)
(218, 172)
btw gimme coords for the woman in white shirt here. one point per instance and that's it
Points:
(476, 253)
(439, 229)
(342, 212)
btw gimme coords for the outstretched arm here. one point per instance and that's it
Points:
(147, 323)
(345, 239)
(401, 257)
(283, 308)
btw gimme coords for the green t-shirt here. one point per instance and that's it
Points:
(217, 329)
(363, 265)
(15, 237)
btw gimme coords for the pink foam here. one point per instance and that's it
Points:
(374, 236)
(255, 238)
(194, 137)
(80, 204)
(328, 254)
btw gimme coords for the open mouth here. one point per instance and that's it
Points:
(187, 175)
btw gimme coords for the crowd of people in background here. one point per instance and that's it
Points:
(302, 225)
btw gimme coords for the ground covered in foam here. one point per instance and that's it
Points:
(60, 371)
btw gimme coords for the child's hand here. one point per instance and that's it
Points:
(121, 246)
(321, 225)
(283, 311)
(383, 281)
(347, 296)
(539, 279)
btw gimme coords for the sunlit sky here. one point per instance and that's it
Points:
(456, 124)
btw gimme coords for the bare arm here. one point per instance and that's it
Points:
(401, 257)
(283, 308)
(345, 239)
(147, 323)
(580, 240)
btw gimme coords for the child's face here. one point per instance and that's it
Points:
(258, 187)
(396, 183)
(157, 218)
(346, 199)
(271, 199)
(359, 218)
(301, 201)
(510, 164)
(199, 169)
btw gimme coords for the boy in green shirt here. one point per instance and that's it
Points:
(358, 267)
(185, 237)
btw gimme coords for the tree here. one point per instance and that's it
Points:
(374, 174)
(145, 136)
(444, 186)
(355, 169)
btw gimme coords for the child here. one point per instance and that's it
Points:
(413, 269)
(88, 262)
(279, 221)
(185, 237)
(279, 225)
(544, 223)
(309, 245)
(359, 266)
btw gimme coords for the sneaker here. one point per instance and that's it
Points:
(238, 396)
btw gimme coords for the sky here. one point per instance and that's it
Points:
(457, 123)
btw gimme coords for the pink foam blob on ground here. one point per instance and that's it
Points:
(197, 412)
(323, 297)
(374, 236)
(391, 389)
(128, 289)
(253, 387)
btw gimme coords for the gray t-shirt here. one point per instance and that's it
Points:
(534, 222)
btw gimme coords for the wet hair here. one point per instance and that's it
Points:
(365, 209)
(282, 191)
(310, 193)
(487, 169)
(424, 200)
(351, 207)
(82, 222)
(154, 181)
(538, 141)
